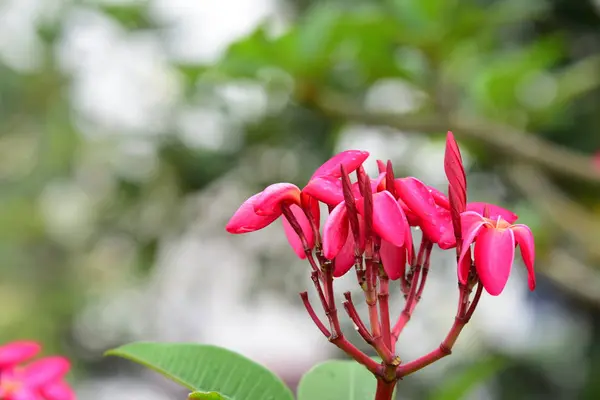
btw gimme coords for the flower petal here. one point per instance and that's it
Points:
(45, 370)
(271, 199)
(245, 220)
(464, 265)
(345, 258)
(378, 184)
(335, 231)
(388, 221)
(58, 391)
(419, 199)
(350, 159)
(393, 259)
(494, 256)
(447, 240)
(455, 171)
(24, 393)
(494, 210)
(524, 238)
(292, 236)
(325, 189)
(17, 352)
(472, 223)
(412, 218)
(440, 198)
(468, 219)
(381, 167)
(408, 241)
(312, 204)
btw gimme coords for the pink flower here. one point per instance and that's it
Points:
(495, 241)
(389, 224)
(430, 210)
(262, 209)
(39, 380)
(434, 220)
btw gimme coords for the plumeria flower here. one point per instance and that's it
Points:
(262, 209)
(390, 225)
(495, 241)
(435, 213)
(39, 380)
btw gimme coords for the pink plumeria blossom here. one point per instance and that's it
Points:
(389, 223)
(495, 241)
(433, 219)
(39, 380)
(263, 208)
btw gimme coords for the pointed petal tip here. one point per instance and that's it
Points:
(270, 200)
(245, 220)
(325, 189)
(350, 159)
(525, 240)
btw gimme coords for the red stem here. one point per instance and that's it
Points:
(332, 310)
(408, 307)
(385, 390)
(463, 315)
(442, 351)
(313, 315)
(384, 308)
(353, 314)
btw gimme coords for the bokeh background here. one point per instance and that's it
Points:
(131, 130)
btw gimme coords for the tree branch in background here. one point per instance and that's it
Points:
(511, 141)
(573, 276)
(565, 213)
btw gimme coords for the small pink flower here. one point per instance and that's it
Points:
(495, 241)
(39, 380)
(262, 209)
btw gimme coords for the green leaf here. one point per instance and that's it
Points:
(459, 385)
(207, 396)
(205, 368)
(337, 380)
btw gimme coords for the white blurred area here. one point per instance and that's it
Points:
(125, 94)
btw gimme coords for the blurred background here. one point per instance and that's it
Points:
(130, 131)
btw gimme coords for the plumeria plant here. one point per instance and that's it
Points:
(23, 379)
(367, 231)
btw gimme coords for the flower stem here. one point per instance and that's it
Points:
(445, 349)
(383, 296)
(385, 390)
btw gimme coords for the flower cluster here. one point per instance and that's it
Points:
(368, 227)
(41, 379)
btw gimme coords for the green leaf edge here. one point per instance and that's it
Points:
(207, 396)
(116, 353)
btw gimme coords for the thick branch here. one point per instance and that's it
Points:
(565, 213)
(509, 140)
